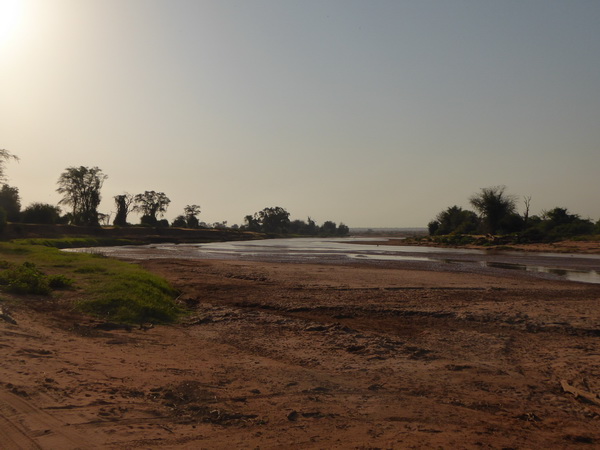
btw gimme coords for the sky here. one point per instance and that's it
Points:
(372, 113)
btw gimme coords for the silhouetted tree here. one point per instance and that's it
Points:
(80, 188)
(454, 220)
(343, 230)
(41, 213)
(527, 202)
(274, 220)
(124, 204)
(10, 201)
(251, 223)
(329, 228)
(179, 222)
(191, 212)
(493, 205)
(150, 204)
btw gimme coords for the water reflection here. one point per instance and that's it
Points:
(567, 266)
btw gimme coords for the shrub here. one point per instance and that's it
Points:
(25, 279)
(59, 282)
(42, 213)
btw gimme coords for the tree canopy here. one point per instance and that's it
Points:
(80, 188)
(150, 204)
(494, 206)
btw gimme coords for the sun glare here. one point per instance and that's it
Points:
(10, 17)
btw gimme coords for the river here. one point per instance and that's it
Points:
(573, 267)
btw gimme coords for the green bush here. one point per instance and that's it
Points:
(59, 282)
(28, 279)
(25, 279)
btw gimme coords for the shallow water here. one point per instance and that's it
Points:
(574, 267)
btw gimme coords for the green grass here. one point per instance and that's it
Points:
(108, 288)
(76, 242)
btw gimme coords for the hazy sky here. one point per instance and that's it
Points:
(373, 113)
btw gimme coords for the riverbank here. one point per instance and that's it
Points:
(591, 247)
(313, 356)
(139, 235)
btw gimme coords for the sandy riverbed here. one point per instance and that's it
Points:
(313, 356)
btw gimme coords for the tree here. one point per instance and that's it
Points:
(124, 204)
(273, 220)
(454, 220)
(251, 223)
(191, 212)
(41, 213)
(10, 201)
(150, 204)
(343, 229)
(559, 223)
(5, 155)
(527, 202)
(179, 222)
(80, 188)
(329, 228)
(494, 206)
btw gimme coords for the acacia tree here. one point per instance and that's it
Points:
(149, 204)
(124, 204)
(80, 188)
(494, 205)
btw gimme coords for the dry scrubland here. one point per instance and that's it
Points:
(310, 356)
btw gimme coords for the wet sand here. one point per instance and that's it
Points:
(278, 355)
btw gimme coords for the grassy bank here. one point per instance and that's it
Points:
(107, 288)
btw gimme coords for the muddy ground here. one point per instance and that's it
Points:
(312, 356)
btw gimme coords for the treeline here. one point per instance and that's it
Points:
(80, 188)
(496, 215)
(277, 220)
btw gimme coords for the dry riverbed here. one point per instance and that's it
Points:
(312, 356)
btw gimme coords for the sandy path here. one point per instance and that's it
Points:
(313, 356)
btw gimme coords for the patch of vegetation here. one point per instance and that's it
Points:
(113, 290)
(76, 242)
(27, 278)
(499, 221)
(132, 296)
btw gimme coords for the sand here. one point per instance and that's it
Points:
(312, 356)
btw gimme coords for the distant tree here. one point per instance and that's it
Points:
(5, 156)
(191, 212)
(527, 202)
(179, 222)
(273, 220)
(41, 213)
(297, 227)
(251, 223)
(493, 205)
(220, 225)
(10, 201)
(343, 230)
(150, 204)
(558, 222)
(124, 204)
(311, 227)
(80, 188)
(454, 220)
(329, 228)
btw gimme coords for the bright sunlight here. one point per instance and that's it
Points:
(11, 12)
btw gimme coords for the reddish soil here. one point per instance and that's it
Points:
(312, 356)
